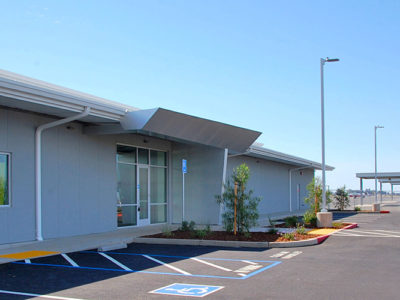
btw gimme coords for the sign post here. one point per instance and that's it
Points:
(234, 221)
(184, 171)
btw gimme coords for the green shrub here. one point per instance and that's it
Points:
(341, 198)
(300, 229)
(289, 236)
(200, 233)
(208, 228)
(187, 226)
(357, 208)
(314, 189)
(167, 231)
(271, 222)
(247, 211)
(273, 231)
(310, 219)
(247, 234)
(191, 226)
(291, 221)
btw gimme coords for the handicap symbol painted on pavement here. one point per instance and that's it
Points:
(182, 289)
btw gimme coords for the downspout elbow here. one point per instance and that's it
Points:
(38, 165)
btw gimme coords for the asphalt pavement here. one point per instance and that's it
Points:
(362, 263)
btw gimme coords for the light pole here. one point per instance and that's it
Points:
(376, 168)
(323, 61)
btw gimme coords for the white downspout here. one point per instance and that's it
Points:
(38, 165)
(290, 184)
(221, 208)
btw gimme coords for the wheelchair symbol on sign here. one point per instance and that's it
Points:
(190, 291)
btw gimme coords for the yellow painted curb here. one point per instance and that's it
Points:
(28, 254)
(322, 231)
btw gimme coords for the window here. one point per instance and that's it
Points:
(142, 186)
(4, 179)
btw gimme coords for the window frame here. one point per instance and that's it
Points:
(149, 165)
(8, 155)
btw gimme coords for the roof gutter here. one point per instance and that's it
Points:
(38, 165)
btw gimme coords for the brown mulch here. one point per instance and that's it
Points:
(226, 236)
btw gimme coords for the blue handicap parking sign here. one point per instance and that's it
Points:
(184, 166)
(182, 289)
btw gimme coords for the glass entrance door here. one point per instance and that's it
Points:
(143, 194)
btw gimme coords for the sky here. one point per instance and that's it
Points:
(253, 64)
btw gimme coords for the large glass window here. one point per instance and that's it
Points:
(142, 186)
(126, 183)
(4, 180)
(143, 156)
(126, 154)
(158, 193)
(158, 158)
(158, 185)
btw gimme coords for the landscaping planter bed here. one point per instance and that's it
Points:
(226, 236)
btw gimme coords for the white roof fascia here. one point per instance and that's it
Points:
(35, 91)
(290, 159)
(379, 175)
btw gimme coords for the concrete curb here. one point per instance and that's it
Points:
(190, 242)
(238, 244)
(310, 242)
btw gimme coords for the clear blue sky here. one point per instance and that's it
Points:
(253, 64)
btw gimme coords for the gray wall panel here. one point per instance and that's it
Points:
(270, 181)
(16, 138)
(202, 182)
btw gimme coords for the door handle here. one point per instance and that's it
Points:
(138, 208)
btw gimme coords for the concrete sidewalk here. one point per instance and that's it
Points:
(118, 238)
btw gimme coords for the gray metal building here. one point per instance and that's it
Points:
(73, 164)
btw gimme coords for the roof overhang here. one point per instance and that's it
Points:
(268, 154)
(381, 175)
(24, 93)
(182, 127)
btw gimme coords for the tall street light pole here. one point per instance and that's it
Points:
(323, 61)
(376, 168)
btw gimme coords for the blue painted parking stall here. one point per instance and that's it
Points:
(206, 267)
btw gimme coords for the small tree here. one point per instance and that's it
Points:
(341, 198)
(246, 209)
(314, 189)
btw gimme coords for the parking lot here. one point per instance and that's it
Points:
(361, 266)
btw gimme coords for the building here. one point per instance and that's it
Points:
(73, 164)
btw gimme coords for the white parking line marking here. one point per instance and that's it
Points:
(27, 261)
(37, 295)
(115, 261)
(248, 269)
(68, 259)
(376, 233)
(346, 234)
(167, 265)
(293, 254)
(282, 253)
(394, 232)
(249, 262)
(210, 264)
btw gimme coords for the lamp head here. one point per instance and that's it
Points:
(331, 59)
